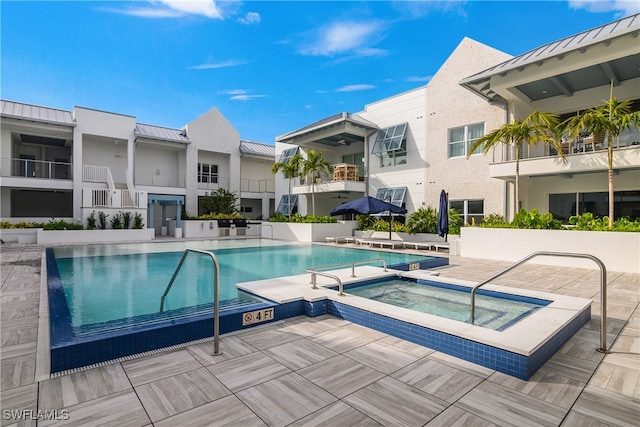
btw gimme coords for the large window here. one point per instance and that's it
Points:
(391, 146)
(394, 195)
(207, 173)
(287, 205)
(287, 154)
(471, 211)
(625, 203)
(462, 138)
(355, 159)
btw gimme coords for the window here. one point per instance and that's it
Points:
(287, 204)
(396, 195)
(207, 173)
(625, 203)
(471, 211)
(462, 138)
(287, 154)
(355, 159)
(391, 146)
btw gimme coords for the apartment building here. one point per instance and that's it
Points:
(68, 164)
(409, 147)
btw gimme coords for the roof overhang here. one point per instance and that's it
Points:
(592, 59)
(334, 131)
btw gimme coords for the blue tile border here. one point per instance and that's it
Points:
(504, 361)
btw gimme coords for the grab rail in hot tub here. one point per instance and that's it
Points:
(603, 287)
(314, 271)
(216, 293)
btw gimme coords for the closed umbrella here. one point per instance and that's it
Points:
(443, 216)
(368, 205)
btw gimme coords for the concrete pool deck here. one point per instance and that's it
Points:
(313, 371)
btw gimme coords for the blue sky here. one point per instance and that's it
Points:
(270, 67)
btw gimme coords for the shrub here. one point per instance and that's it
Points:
(21, 224)
(61, 225)
(102, 220)
(495, 220)
(588, 222)
(306, 219)
(116, 221)
(221, 201)
(212, 215)
(365, 222)
(535, 220)
(138, 223)
(126, 220)
(455, 221)
(381, 224)
(91, 221)
(424, 220)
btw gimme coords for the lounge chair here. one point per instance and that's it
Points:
(340, 239)
(363, 239)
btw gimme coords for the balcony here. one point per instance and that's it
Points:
(345, 178)
(158, 178)
(257, 185)
(31, 168)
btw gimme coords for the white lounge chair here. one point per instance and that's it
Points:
(363, 239)
(340, 239)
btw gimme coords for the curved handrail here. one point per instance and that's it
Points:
(216, 294)
(603, 287)
(331, 276)
(313, 271)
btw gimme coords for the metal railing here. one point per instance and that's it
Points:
(603, 287)
(28, 168)
(216, 293)
(314, 272)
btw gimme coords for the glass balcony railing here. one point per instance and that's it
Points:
(31, 168)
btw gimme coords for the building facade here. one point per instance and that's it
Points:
(70, 164)
(410, 147)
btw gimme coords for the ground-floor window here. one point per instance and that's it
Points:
(41, 204)
(471, 211)
(565, 205)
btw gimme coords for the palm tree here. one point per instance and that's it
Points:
(290, 168)
(314, 165)
(607, 120)
(535, 128)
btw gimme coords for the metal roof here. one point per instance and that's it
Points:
(161, 133)
(338, 138)
(17, 110)
(566, 83)
(258, 149)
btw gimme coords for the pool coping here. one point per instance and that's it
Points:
(525, 337)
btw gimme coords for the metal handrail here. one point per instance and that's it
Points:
(313, 271)
(216, 294)
(603, 287)
(331, 276)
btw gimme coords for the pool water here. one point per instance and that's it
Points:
(494, 310)
(103, 288)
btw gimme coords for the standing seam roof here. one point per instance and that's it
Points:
(17, 110)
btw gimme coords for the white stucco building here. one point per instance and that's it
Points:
(413, 145)
(68, 164)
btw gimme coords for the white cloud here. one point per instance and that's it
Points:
(250, 18)
(240, 94)
(626, 7)
(419, 78)
(171, 9)
(206, 8)
(355, 88)
(223, 64)
(345, 37)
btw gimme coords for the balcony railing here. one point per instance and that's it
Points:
(213, 183)
(160, 178)
(105, 198)
(585, 144)
(258, 185)
(42, 169)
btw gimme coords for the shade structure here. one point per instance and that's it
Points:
(443, 215)
(367, 205)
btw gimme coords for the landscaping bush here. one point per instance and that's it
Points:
(102, 220)
(381, 224)
(61, 225)
(126, 220)
(116, 221)
(22, 224)
(138, 223)
(588, 222)
(455, 221)
(365, 222)
(91, 221)
(424, 220)
(304, 219)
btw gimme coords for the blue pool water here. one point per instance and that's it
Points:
(106, 288)
(494, 310)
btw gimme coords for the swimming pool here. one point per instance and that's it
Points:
(494, 310)
(131, 284)
(104, 300)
